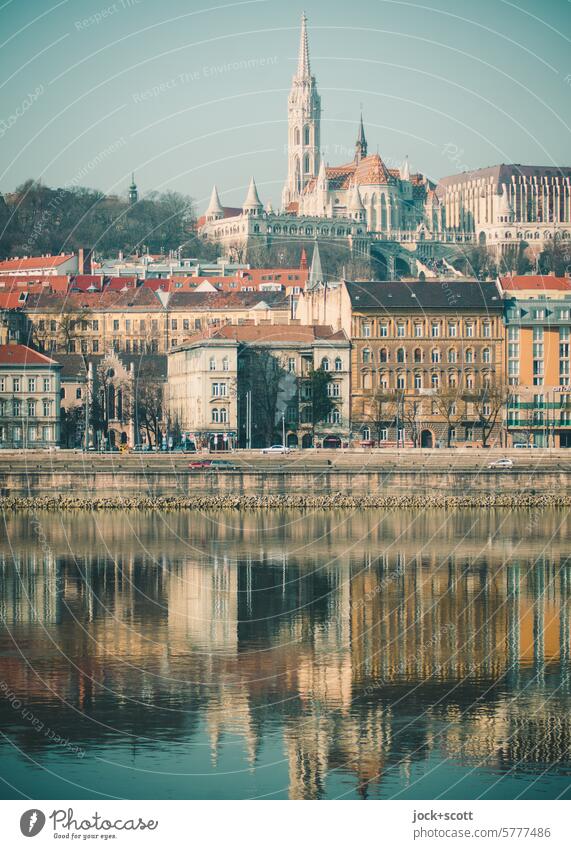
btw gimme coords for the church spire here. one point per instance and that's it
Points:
(133, 191)
(361, 143)
(303, 68)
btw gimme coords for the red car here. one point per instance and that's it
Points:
(200, 464)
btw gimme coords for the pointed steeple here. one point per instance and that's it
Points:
(322, 175)
(303, 259)
(303, 67)
(252, 205)
(133, 191)
(361, 143)
(316, 271)
(405, 170)
(215, 209)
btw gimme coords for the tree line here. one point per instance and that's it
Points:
(36, 219)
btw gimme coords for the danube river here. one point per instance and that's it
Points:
(270, 654)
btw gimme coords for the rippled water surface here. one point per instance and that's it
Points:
(226, 655)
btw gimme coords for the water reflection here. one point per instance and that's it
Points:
(393, 655)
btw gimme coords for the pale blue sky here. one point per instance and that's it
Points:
(452, 84)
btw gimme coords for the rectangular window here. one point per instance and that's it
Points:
(513, 334)
(174, 324)
(487, 330)
(401, 330)
(17, 407)
(418, 381)
(384, 330)
(31, 384)
(435, 329)
(2, 384)
(128, 325)
(418, 330)
(78, 393)
(384, 434)
(564, 314)
(538, 314)
(469, 330)
(47, 384)
(538, 334)
(46, 433)
(452, 329)
(95, 346)
(366, 330)
(186, 324)
(16, 384)
(115, 324)
(95, 324)
(47, 408)
(291, 364)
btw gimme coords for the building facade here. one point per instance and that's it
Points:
(538, 329)
(508, 204)
(249, 386)
(29, 398)
(427, 359)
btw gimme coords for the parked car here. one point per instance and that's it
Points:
(276, 449)
(222, 464)
(522, 445)
(504, 463)
(200, 464)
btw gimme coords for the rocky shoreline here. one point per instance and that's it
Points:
(293, 501)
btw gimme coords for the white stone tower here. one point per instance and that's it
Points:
(304, 117)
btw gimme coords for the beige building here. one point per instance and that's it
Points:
(29, 398)
(250, 385)
(427, 359)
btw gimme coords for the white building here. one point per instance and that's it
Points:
(29, 398)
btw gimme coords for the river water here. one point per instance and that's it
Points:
(371, 654)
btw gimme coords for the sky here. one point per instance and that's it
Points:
(188, 93)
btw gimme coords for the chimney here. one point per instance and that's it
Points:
(84, 256)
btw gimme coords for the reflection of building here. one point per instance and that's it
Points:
(357, 646)
(538, 327)
(217, 378)
(427, 357)
(29, 398)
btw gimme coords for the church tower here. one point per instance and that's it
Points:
(304, 116)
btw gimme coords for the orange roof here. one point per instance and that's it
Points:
(33, 262)
(10, 300)
(22, 355)
(535, 282)
(270, 333)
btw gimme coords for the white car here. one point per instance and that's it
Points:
(504, 463)
(276, 449)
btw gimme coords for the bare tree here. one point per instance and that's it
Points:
(449, 405)
(380, 410)
(488, 403)
(411, 410)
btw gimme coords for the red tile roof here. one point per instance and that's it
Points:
(535, 282)
(33, 262)
(22, 355)
(270, 333)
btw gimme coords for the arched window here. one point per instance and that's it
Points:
(306, 135)
(338, 364)
(212, 364)
(225, 364)
(434, 381)
(366, 355)
(366, 434)
(306, 164)
(383, 355)
(417, 355)
(487, 355)
(325, 364)
(469, 355)
(223, 415)
(452, 380)
(401, 355)
(435, 355)
(296, 135)
(215, 415)
(452, 355)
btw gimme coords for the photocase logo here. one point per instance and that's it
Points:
(32, 822)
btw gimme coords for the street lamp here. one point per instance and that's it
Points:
(283, 428)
